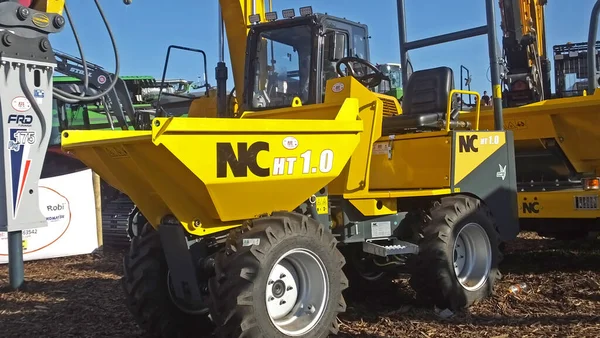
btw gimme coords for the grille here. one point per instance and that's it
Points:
(586, 202)
(389, 107)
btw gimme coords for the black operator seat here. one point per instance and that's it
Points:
(425, 102)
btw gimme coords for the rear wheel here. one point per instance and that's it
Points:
(280, 278)
(149, 295)
(458, 258)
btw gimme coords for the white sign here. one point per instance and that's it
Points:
(68, 203)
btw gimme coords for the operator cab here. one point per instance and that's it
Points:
(292, 59)
(285, 57)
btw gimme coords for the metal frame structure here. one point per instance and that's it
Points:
(592, 36)
(467, 83)
(488, 29)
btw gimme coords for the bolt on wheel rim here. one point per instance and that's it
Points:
(296, 292)
(472, 256)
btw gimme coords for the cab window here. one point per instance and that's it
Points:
(330, 59)
(282, 67)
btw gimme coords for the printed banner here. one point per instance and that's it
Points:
(68, 203)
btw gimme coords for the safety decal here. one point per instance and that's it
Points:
(290, 143)
(21, 104)
(337, 87)
(39, 95)
(19, 144)
(381, 148)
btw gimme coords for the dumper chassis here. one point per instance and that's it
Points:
(329, 168)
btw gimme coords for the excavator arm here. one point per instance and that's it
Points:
(524, 46)
(236, 15)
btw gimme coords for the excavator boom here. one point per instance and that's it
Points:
(524, 44)
(236, 15)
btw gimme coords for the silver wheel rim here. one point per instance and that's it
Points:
(185, 308)
(472, 257)
(296, 292)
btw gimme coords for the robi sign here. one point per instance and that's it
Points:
(68, 204)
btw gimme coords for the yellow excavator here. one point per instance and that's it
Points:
(527, 78)
(556, 141)
(245, 219)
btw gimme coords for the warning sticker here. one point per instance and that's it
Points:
(381, 229)
(381, 148)
(515, 124)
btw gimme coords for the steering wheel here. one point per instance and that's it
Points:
(370, 80)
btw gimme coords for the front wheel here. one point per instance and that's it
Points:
(458, 258)
(147, 288)
(281, 278)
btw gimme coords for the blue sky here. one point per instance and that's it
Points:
(146, 28)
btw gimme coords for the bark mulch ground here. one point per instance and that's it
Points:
(81, 297)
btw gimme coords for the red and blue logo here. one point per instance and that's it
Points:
(19, 144)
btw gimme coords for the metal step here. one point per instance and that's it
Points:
(398, 248)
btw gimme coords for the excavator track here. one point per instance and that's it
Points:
(115, 214)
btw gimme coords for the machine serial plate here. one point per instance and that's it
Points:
(381, 229)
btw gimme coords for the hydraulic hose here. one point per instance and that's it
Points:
(86, 80)
(70, 98)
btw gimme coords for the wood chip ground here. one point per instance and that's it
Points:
(81, 297)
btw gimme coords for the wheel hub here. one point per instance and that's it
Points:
(472, 256)
(296, 292)
(278, 289)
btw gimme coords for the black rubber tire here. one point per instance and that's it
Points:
(433, 277)
(135, 222)
(241, 272)
(147, 295)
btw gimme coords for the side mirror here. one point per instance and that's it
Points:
(335, 46)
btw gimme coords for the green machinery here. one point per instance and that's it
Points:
(393, 86)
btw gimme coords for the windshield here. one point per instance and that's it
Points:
(282, 67)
